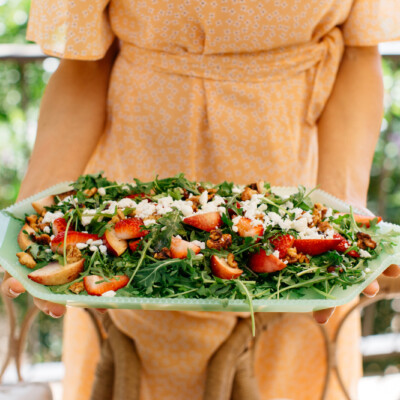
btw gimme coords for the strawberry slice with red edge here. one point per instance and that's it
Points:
(206, 222)
(314, 247)
(262, 263)
(282, 244)
(72, 238)
(136, 195)
(130, 228)
(134, 245)
(246, 228)
(97, 289)
(179, 248)
(223, 270)
(344, 245)
(59, 225)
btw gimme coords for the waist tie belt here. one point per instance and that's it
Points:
(263, 66)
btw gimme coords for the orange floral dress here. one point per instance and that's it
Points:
(221, 90)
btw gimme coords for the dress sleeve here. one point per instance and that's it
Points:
(371, 22)
(74, 29)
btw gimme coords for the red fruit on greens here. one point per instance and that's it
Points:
(221, 268)
(130, 228)
(246, 229)
(314, 247)
(72, 238)
(282, 244)
(206, 222)
(179, 248)
(97, 289)
(59, 225)
(262, 263)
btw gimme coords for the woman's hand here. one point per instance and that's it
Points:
(71, 121)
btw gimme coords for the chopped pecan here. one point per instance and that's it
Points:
(248, 193)
(260, 186)
(32, 221)
(219, 241)
(292, 256)
(323, 226)
(185, 194)
(90, 192)
(319, 213)
(163, 254)
(73, 254)
(364, 241)
(231, 261)
(77, 287)
(43, 239)
(26, 259)
(120, 214)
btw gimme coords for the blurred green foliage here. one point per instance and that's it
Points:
(21, 87)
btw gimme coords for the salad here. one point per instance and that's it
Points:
(174, 238)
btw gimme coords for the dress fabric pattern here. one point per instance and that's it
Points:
(221, 90)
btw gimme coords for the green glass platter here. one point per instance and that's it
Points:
(310, 301)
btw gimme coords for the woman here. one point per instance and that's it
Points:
(289, 91)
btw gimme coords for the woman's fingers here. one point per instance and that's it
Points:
(52, 309)
(392, 271)
(11, 287)
(322, 316)
(372, 289)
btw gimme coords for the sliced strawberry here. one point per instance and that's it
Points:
(344, 245)
(262, 263)
(59, 225)
(282, 244)
(73, 238)
(246, 229)
(134, 196)
(97, 289)
(134, 244)
(206, 222)
(115, 246)
(313, 247)
(179, 248)
(221, 269)
(130, 228)
(363, 219)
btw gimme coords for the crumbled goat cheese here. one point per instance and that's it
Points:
(276, 253)
(364, 253)
(46, 229)
(103, 249)
(97, 242)
(101, 191)
(202, 245)
(89, 241)
(148, 222)
(93, 248)
(237, 189)
(126, 203)
(144, 209)
(48, 251)
(51, 217)
(110, 293)
(87, 216)
(125, 188)
(203, 199)
(81, 246)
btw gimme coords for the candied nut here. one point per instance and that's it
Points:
(323, 226)
(26, 259)
(163, 254)
(248, 193)
(120, 214)
(43, 239)
(216, 234)
(231, 261)
(90, 192)
(185, 194)
(73, 254)
(115, 219)
(200, 189)
(77, 287)
(219, 241)
(292, 256)
(32, 222)
(364, 241)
